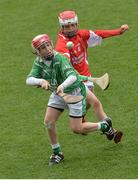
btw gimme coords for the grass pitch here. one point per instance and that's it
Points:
(24, 144)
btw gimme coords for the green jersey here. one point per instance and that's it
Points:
(56, 72)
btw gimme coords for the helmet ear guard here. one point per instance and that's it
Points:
(34, 51)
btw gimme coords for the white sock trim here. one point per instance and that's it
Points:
(54, 146)
(99, 125)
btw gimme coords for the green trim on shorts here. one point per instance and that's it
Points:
(83, 93)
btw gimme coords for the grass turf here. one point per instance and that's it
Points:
(25, 147)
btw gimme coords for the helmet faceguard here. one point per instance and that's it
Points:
(40, 41)
(67, 18)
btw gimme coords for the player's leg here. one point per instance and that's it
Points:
(99, 111)
(78, 127)
(96, 105)
(51, 117)
(55, 107)
(92, 101)
(76, 112)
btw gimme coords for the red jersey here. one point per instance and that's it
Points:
(82, 40)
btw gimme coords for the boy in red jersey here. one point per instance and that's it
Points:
(82, 39)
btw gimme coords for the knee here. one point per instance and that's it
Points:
(46, 121)
(96, 103)
(76, 130)
(49, 123)
(93, 100)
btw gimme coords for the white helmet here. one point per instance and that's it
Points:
(67, 17)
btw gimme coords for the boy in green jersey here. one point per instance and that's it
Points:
(51, 69)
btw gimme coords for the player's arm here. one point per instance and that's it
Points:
(68, 82)
(114, 32)
(34, 78)
(33, 81)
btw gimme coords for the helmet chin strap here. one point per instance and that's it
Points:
(71, 34)
(48, 58)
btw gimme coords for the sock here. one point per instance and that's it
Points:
(103, 127)
(56, 148)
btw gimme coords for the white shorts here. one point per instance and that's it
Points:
(75, 110)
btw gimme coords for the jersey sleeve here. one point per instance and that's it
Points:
(94, 39)
(90, 38)
(83, 78)
(107, 33)
(36, 70)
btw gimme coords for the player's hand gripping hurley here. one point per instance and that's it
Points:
(102, 82)
(69, 99)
